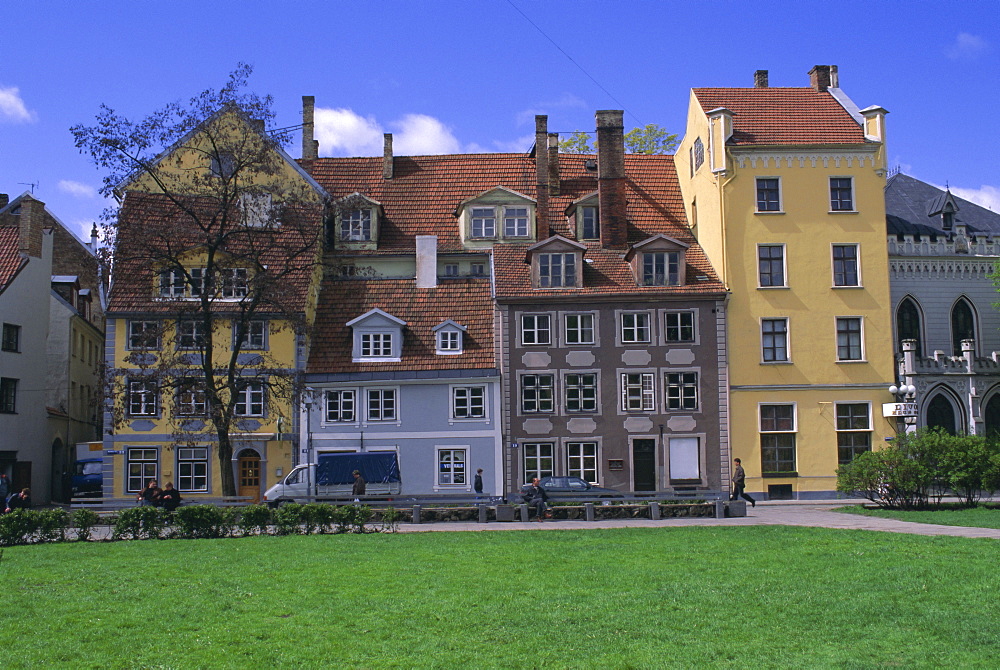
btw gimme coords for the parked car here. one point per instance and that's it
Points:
(574, 487)
(88, 478)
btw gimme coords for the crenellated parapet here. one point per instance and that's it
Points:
(952, 245)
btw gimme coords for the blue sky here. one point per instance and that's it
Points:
(469, 75)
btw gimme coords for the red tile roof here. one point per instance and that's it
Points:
(466, 301)
(10, 258)
(770, 116)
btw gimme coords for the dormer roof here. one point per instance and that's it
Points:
(497, 193)
(909, 204)
(378, 315)
(557, 243)
(448, 323)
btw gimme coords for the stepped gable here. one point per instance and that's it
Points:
(11, 259)
(467, 301)
(906, 209)
(148, 221)
(783, 116)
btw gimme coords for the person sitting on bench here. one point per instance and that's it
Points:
(535, 496)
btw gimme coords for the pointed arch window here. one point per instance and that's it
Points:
(908, 325)
(941, 414)
(963, 325)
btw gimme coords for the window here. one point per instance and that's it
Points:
(250, 399)
(777, 438)
(556, 270)
(698, 151)
(477, 269)
(845, 265)
(841, 194)
(191, 398)
(515, 221)
(140, 466)
(468, 402)
(771, 265)
(538, 460)
(637, 392)
(192, 469)
(579, 329)
(581, 460)
(680, 326)
(682, 390)
(853, 431)
(768, 195)
(376, 345)
(849, 338)
(340, 406)
(536, 393)
(143, 335)
(451, 270)
(8, 395)
(908, 325)
(635, 327)
(685, 458)
(535, 329)
(661, 268)
(484, 222)
(381, 404)
(256, 209)
(223, 165)
(172, 283)
(142, 398)
(590, 224)
(235, 282)
(449, 341)
(11, 337)
(963, 325)
(190, 334)
(254, 335)
(451, 467)
(198, 281)
(774, 340)
(356, 226)
(581, 392)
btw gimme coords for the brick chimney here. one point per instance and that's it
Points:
(611, 177)
(426, 261)
(30, 226)
(4, 200)
(821, 77)
(387, 156)
(553, 149)
(760, 79)
(541, 177)
(310, 147)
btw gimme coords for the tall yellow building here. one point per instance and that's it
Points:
(784, 190)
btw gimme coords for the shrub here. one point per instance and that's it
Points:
(288, 519)
(318, 516)
(390, 520)
(85, 520)
(138, 523)
(17, 527)
(254, 519)
(51, 524)
(200, 521)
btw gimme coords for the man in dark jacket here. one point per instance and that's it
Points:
(359, 485)
(170, 498)
(20, 500)
(739, 483)
(536, 497)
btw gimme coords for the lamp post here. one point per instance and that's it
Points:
(905, 407)
(307, 402)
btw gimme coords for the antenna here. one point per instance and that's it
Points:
(33, 185)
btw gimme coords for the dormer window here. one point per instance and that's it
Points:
(658, 261)
(590, 224)
(515, 221)
(497, 214)
(356, 226)
(947, 220)
(556, 270)
(378, 337)
(484, 222)
(376, 345)
(450, 337)
(357, 221)
(231, 283)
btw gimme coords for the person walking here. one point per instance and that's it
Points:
(359, 487)
(477, 484)
(739, 484)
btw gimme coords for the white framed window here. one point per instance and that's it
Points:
(682, 390)
(590, 224)
(679, 327)
(845, 265)
(143, 396)
(234, 282)
(191, 398)
(451, 269)
(638, 392)
(341, 406)
(483, 222)
(477, 269)
(254, 335)
(143, 335)
(190, 334)
(452, 469)
(842, 194)
(250, 399)
(768, 194)
(556, 270)
(854, 430)
(849, 339)
(774, 340)
(538, 460)
(449, 341)
(635, 327)
(381, 404)
(173, 283)
(192, 469)
(468, 402)
(356, 226)
(770, 265)
(536, 329)
(579, 328)
(376, 345)
(537, 393)
(141, 465)
(581, 392)
(515, 222)
(777, 438)
(661, 268)
(581, 461)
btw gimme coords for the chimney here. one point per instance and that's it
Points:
(820, 77)
(541, 177)
(426, 261)
(554, 187)
(30, 226)
(387, 156)
(310, 147)
(4, 200)
(611, 177)
(94, 237)
(760, 79)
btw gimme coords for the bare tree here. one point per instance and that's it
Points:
(214, 251)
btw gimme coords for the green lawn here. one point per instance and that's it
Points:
(977, 517)
(758, 597)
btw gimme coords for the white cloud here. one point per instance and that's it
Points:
(12, 106)
(77, 189)
(967, 47)
(986, 196)
(420, 135)
(341, 132)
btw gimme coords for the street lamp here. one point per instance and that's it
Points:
(904, 410)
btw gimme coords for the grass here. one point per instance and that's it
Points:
(764, 597)
(951, 515)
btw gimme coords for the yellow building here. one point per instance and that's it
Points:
(784, 190)
(215, 275)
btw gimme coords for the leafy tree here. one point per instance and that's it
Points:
(649, 139)
(577, 143)
(217, 234)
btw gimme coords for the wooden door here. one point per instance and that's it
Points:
(644, 464)
(249, 479)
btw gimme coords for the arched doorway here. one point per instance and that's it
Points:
(941, 414)
(991, 418)
(248, 475)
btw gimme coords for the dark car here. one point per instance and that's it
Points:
(574, 487)
(88, 478)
